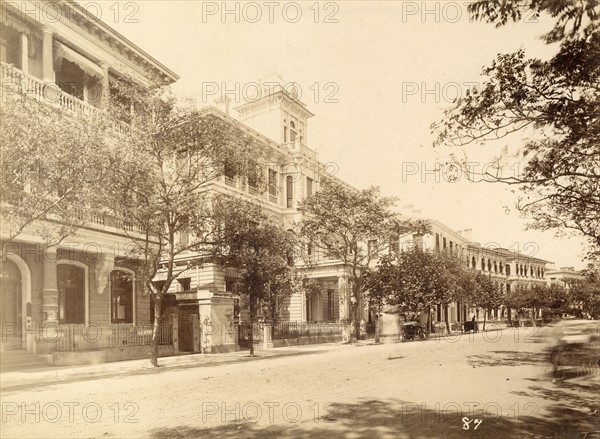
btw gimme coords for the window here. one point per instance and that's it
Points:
(331, 305)
(253, 179)
(473, 263)
(372, 247)
(444, 243)
(71, 293)
(489, 266)
(184, 238)
(309, 186)
(437, 241)
(229, 173)
(482, 264)
(273, 185)
(292, 131)
(289, 189)
(395, 246)
(185, 284)
(121, 296)
(309, 249)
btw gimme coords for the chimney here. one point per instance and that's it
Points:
(222, 104)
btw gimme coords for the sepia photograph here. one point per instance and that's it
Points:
(300, 219)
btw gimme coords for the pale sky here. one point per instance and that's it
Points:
(375, 74)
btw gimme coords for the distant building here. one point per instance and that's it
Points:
(563, 276)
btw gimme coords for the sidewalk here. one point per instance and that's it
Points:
(62, 374)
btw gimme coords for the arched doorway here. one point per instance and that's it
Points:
(11, 297)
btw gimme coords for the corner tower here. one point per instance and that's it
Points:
(277, 112)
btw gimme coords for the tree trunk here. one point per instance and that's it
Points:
(428, 319)
(484, 319)
(354, 323)
(446, 317)
(155, 330)
(251, 334)
(377, 324)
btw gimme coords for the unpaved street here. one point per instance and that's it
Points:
(491, 385)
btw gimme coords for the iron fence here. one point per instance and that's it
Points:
(78, 337)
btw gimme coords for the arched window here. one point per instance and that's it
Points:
(508, 269)
(71, 280)
(289, 188)
(489, 265)
(473, 263)
(482, 264)
(495, 267)
(121, 296)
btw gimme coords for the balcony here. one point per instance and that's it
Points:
(18, 83)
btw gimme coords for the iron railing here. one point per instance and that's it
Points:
(78, 337)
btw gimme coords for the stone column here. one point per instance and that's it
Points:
(105, 93)
(47, 55)
(24, 53)
(196, 334)
(175, 327)
(345, 310)
(50, 306)
(267, 335)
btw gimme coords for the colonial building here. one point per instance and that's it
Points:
(563, 276)
(278, 122)
(509, 268)
(57, 53)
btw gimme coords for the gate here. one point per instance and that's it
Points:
(186, 334)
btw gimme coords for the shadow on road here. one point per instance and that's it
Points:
(398, 419)
(507, 358)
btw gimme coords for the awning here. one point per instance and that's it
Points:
(84, 64)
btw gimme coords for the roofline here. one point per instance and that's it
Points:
(109, 30)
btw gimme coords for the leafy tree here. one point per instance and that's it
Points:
(558, 99)
(353, 227)
(261, 251)
(486, 294)
(52, 166)
(380, 283)
(421, 279)
(586, 293)
(161, 170)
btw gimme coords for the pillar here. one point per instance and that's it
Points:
(175, 326)
(47, 55)
(267, 335)
(50, 306)
(196, 333)
(105, 93)
(24, 53)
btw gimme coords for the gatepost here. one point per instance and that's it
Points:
(196, 333)
(267, 335)
(175, 326)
